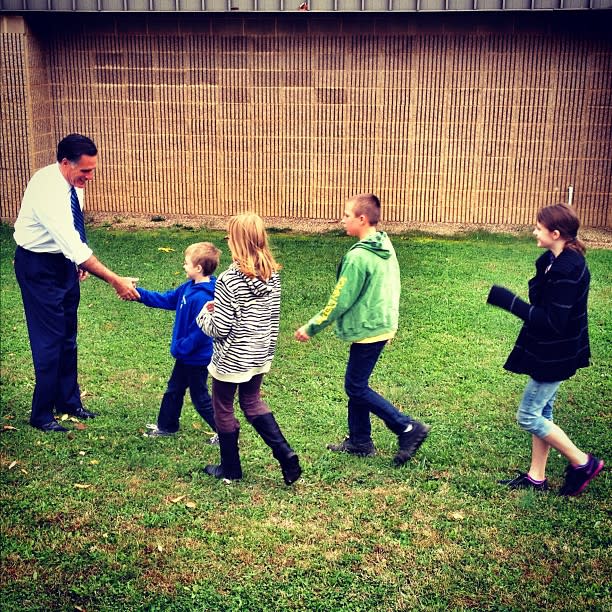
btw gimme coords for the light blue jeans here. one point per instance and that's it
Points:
(535, 412)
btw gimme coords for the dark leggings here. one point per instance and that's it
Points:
(249, 399)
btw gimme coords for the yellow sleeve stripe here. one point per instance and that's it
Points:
(332, 302)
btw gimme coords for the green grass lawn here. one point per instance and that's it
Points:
(105, 519)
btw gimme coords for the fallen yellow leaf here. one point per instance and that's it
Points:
(9, 428)
(13, 464)
(81, 486)
(94, 462)
(165, 249)
(176, 500)
(190, 504)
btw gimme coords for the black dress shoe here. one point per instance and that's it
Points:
(51, 426)
(81, 413)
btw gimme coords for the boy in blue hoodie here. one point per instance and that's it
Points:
(191, 348)
(365, 307)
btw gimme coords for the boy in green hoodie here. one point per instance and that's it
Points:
(365, 307)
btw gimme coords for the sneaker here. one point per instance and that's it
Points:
(214, 440)
(410, 441)
(157, 433)
(360, 450)
(523, 481)
(577, 478)
(151, 425)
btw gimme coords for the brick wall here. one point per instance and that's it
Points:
(449, 118)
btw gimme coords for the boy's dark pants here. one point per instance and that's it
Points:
(363, 400)
(50, 290)
(183, 377)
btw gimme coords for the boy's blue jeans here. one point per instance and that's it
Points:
(535, 412)
(363, 400)
(183, 377)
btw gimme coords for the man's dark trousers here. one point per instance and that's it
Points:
(50, 291)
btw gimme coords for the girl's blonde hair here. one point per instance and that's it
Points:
(248, 242)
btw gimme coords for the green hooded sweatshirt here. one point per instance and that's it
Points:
(365, 301)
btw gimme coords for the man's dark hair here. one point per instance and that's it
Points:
(73, 146)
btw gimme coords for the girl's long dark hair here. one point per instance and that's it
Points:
(562, 218)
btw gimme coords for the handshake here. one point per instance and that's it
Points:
(125, 286)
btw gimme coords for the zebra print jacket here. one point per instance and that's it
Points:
(244, 325)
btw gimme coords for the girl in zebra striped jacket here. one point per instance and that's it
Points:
(243, 321)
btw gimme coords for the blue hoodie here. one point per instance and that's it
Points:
(189, 343)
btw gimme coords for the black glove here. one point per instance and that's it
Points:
(504, 298)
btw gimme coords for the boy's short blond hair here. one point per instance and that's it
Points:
(368, 205)
(204, 254)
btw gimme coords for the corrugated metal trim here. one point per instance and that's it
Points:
(314, 6)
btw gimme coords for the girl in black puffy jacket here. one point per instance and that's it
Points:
(552, 344)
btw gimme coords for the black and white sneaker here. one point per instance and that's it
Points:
(360, 450)
(158, 433)
(410, 442)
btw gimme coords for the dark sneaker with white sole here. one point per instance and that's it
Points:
(523, 481)
(158, 433)
(577, 478)
(410, 442)
(360, 450)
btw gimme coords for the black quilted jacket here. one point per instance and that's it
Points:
(554, 340)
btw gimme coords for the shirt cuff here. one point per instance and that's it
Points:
(83, 253)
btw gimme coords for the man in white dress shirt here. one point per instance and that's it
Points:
(50, 260)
